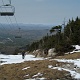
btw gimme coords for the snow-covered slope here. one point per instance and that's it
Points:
(9, 59)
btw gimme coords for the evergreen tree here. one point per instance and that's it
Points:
(60, 41)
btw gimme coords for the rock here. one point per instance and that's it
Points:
(78, 70)
(38, 53)
(51, 52)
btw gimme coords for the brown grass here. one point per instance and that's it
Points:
(15, 72)
(70, 56)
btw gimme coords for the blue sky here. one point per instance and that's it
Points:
(43, 11)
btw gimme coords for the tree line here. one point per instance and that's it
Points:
(62, 39)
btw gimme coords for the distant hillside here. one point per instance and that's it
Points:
(28, 32)
(26, 26)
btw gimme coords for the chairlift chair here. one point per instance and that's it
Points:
(7, 10)
(18, 35)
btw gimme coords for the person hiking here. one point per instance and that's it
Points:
(23, 54)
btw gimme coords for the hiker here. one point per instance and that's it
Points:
(23, 54)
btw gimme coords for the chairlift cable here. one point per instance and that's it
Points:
(5, 16)
(8, 16)
(10, 1)
(8, 20)
(14, 15)
(4, 28)
(19, 36)
(6, 10)
(2, 24)
(15, 19)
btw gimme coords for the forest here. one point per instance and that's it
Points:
(60, 38)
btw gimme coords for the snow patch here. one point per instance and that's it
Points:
(76, 62)
(38, 74)
(25, 68)
(9, 59)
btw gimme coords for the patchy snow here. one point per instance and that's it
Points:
(76, 62)
(77, 49)
(26, 68)
(26, 75)
(9, 59)
(38, 74)
(37, 79)
(73, 73)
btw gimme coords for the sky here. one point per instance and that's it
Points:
(42, 11)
